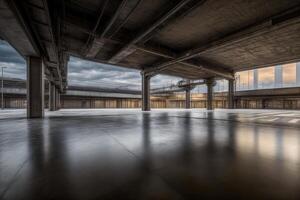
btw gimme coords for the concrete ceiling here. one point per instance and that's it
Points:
(188, 38)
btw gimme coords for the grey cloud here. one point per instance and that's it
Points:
(96, 74)
(83, 72)
(14, 63)
(9, 54)
(91, 73)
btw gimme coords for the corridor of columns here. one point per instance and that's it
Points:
(143, 99)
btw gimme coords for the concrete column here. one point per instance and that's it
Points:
(230, 95)
(298, 73)
(145, 92)
(35, 87)
(57, 99)
(51, 96)
(188, 98)
(210, 84)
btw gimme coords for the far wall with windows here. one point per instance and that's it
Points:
(279, 76)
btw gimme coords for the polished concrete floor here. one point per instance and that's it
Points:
(162, 154)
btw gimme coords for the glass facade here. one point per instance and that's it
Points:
(279, 76)
(289, 73)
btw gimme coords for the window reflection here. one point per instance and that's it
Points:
(266, 77)
(289, 74)
(269, 77)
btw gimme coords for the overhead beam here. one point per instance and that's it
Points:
(53, 42)
(129, 47)
(212, 69)
(95, 43)
(219, 71)
(269, 25)
(16, 30)
(202, 65)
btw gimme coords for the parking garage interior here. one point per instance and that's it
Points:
(226, 127)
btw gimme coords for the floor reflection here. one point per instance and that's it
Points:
(179, 155)
(270, 143)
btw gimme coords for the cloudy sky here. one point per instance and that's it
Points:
(14, 63)
(82, 72)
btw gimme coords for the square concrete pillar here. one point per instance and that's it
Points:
(210, 84)
(230, 95)
(57, 99)
(188, 98)
(145, 92)
(51, 96)
(188, 95)
(35, 87)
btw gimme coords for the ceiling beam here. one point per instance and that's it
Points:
(95, 43)
(269, 25)
(164, 53)
(53, 43)
(15, 29)
(127, 49)
(205, 66)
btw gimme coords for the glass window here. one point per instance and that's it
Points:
(266, 77)
(244, 80)
(289, 74)
(221, 86)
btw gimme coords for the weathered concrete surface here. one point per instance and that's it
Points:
(35, 87)
(165, 154)
(188, 38)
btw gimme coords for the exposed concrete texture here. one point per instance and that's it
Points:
(188, 38)
(145, 92)
(15, 31)
(210, 86)
(230, 94)
(35, 87)
(57, 99)
(52, 94)
(187, 98)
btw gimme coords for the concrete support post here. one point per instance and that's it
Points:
(35, 87)
(145, 92)
(51, 96)
(57, 99)
(210, 84)
(231, 94)
(188, 98)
